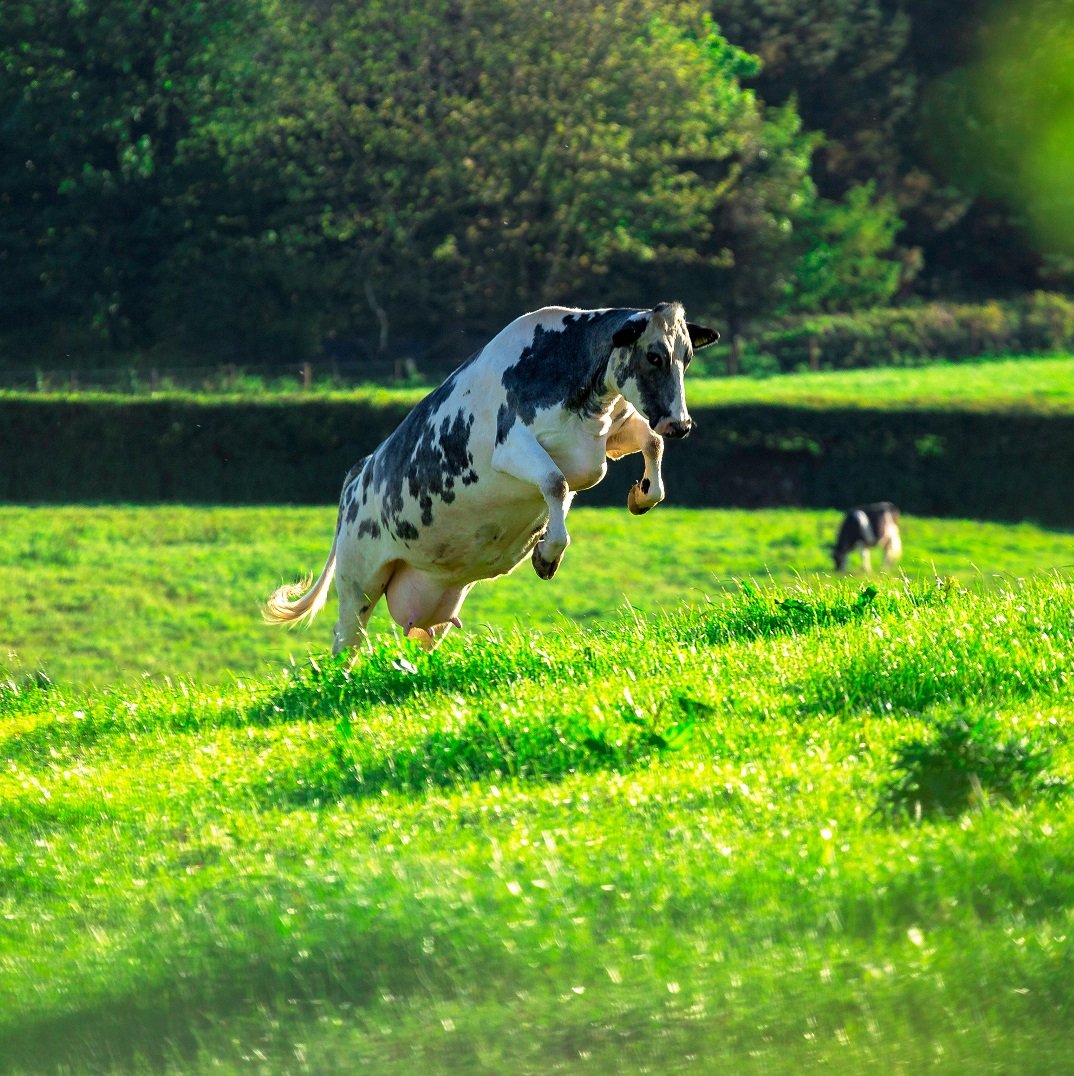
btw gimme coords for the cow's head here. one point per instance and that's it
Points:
(649, 358)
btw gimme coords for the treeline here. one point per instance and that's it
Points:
(260, 180)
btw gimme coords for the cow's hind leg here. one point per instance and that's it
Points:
(358, 596)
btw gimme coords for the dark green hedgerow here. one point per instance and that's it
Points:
(915, 335)
(939, 462)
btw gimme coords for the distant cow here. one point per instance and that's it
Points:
(483, 471)
(865, 528)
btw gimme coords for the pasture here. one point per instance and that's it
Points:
(104, 595)
(809, 826)
(694, 805)
(1020, 383)
(1004, 384)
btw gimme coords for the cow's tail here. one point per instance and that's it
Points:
(302, 601)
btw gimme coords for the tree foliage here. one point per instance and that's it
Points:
(462, 159)
(921, 100)
(251, 179)
(99, 101)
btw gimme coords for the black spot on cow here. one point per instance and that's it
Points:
(348, 498)
(566, 367)
(440, 456)
(559, 488)
(406, 530)
(355, 471)
(368, 528)
(423, 458)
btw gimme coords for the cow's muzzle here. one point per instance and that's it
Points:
(674, 429)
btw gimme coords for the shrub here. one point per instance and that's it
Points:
(915, 335)
(963, 761)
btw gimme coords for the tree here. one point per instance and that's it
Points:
(464, 159)
(890, 86)
(844, 260)
(98, 103)
(249, 179)
(1002, 127)
(775, 246)
(845, 63)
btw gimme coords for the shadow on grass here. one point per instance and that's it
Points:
(965, 761)
(390, 673)
(755, 614)
(501, 743)
(474, 667)
(154, 1020)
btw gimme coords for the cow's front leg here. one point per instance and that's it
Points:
(636, 436)
(521, 456)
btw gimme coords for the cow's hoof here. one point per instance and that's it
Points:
(635, 504)
(545, 569)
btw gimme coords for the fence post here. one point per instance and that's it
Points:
(307, 375)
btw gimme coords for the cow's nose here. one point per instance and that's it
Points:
(675, 430)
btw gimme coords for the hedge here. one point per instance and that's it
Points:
(909, 336)
(1004, 466)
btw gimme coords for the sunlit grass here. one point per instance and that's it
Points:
(1001, 384)
(666, 842)
(1031, 384)
(105, 594)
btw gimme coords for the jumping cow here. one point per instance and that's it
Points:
(483, 471)
(867, 527)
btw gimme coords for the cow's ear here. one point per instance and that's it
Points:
(630, 332)
(700, 336)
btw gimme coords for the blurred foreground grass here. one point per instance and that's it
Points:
(702, 841)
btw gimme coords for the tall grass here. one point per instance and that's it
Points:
(669, 842)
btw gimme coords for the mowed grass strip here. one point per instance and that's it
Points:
(1030, 383)
(668, 842)
(111, 595)
(1001, 384)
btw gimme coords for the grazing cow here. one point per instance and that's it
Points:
(483, 471)
(865, 528)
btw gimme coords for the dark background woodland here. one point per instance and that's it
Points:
(259, 181)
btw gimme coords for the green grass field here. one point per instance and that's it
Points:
(814, 826)
(101, 595)
(1012, 383)
(694, 805)
(1030, 384)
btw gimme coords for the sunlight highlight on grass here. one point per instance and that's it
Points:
(689, 836)
(97, 595)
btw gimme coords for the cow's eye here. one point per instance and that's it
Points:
(654, 357)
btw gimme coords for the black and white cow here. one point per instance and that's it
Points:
(865, 528)
(483, 471)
